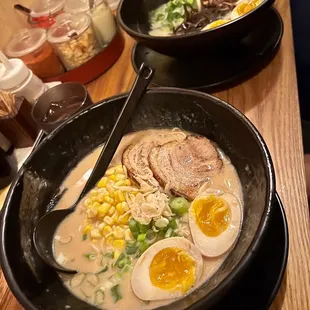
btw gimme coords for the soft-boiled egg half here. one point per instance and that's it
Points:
(244, 7)
(170, 268)
(214, 222)
(216, 23)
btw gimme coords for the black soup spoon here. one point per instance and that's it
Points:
(45, 229)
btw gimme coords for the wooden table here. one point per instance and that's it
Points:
(270, 101)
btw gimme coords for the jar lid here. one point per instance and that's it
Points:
(10, 78)
(44, 8)
(79, 6)
(25, 41)
(68, 26)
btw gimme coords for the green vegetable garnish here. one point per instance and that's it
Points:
(141, 237)
(122, 261)
(179, 205)
(131, 247)
(133, 226)
(150, 236)
(143, 228)
(104, 269)
(90, 256)
(109, 255)
(127, 268)
(115, 293)
(84, 237)
(169, 233)
(173, 224)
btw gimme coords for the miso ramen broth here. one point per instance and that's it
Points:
(158, 224)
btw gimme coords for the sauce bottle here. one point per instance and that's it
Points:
(32, 47)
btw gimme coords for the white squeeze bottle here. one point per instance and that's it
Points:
(17, 79)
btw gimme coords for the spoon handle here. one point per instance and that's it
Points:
(22, 8)
(140, 85)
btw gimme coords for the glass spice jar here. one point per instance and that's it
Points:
(43, 13)
(73, 37)
(31, 46)
(102, 17)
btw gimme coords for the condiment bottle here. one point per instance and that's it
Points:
(74, 39)
(17, 79)
(43, 14)
(32, 47)
(101, 15)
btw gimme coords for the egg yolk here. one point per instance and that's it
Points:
(246, 7)
(217, 23)
(212, 214)
(173, 269)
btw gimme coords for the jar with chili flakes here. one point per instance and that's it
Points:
(32, 47)
(43, 13)
(74, 39)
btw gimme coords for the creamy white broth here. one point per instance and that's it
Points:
(72, 254)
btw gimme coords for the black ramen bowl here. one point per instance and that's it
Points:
(36, 286)
(133, 17)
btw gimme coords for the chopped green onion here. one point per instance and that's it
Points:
(141, 237)
(122, 261)
(127, 268)
(99, 297)
(150, 236)
(133, 226)
(169, 233)
(173, 224)
(103, 270)
(109, 255)
(90, 256)
(143, 228)
(179, 205)
(131, 248)
(84, 237)
(115, 293)
(143, 246)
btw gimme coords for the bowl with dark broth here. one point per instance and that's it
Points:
(172, 224)
(190, 27)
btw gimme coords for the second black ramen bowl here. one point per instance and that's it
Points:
(36, 286)
(133, 17)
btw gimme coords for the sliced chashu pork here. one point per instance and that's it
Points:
(135, 156)
(182, 167)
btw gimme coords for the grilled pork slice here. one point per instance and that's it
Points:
(183, 166)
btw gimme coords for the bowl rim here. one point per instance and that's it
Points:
(213, 295)
(130, 31)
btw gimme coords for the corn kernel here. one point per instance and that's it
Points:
(87, 202)
(110, 188)
(115, 216)
(100, 197)
(104, 208)
(108, 199)
(103, 182)
(95, 234)
(120, 183)
(112, 178)
(103, 191)
(119, 244)
(87, 229)
(110, 240)
(90, 213)
(124, 219)
(110, 171)
(119, 196)
(120, 177)
(93, 192)
(107, 229)
(125, 206)
(101, 226)
(118, 233)
(108, 220)
(119, 169)
(128, 235)
(111, 211)
(127, 182)
(116, 254)
(119, 208)
(96, 205)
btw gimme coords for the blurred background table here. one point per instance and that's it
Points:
(270, 101)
